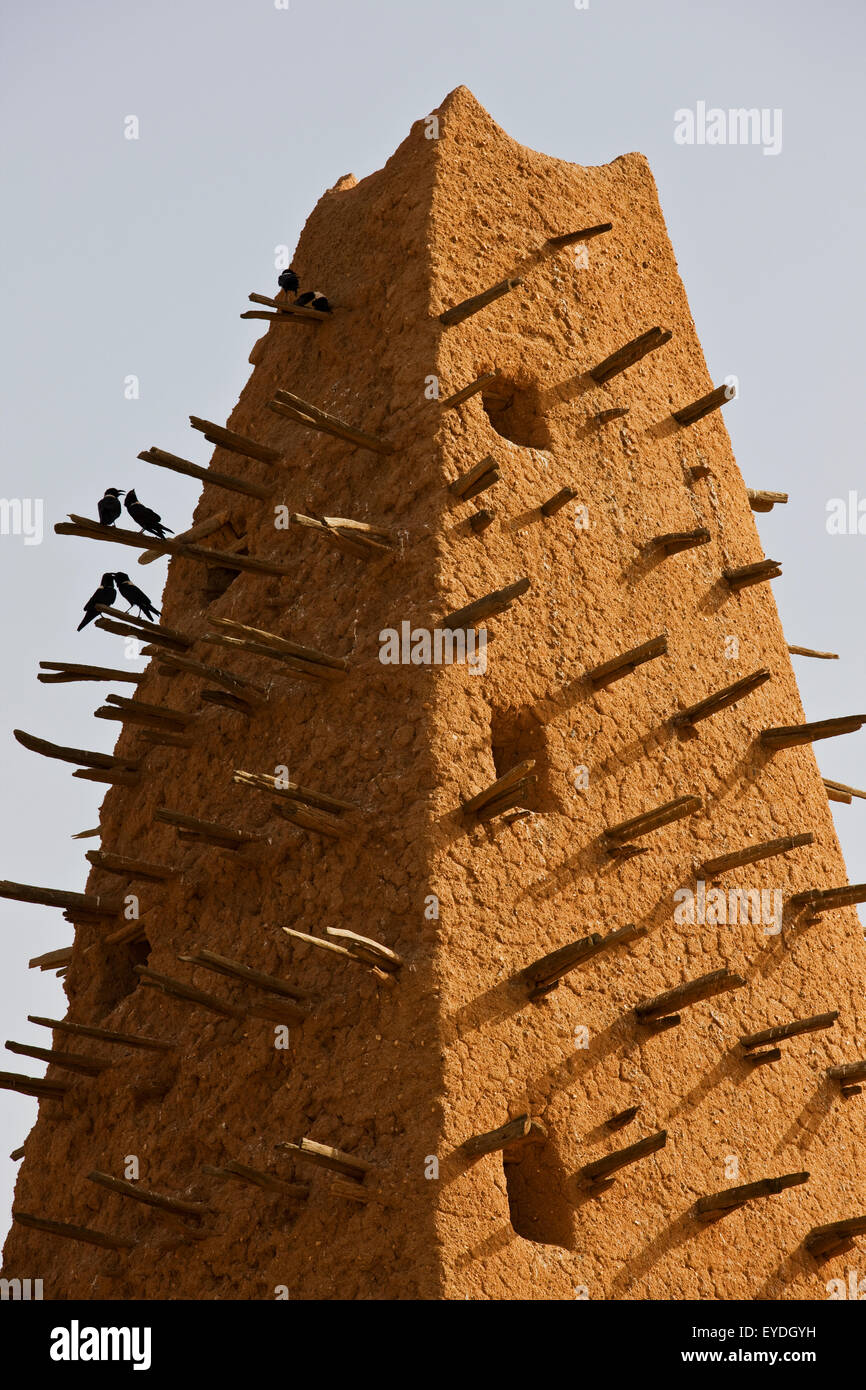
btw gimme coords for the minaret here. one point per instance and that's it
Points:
(483, 691)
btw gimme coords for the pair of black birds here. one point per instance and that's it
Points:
(150, 521)
(310, 299)
(107, 593)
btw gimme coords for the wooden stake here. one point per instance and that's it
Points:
(481, 520)
(704, 405)
(501, 1138)
(38, 1086)
(808, 651)
(471, 390)
(16, 1154)
(82, 1030)
(761, 1059)
(753, 853)
(747, 575)
(499, 601)
(195, 533)
(65, 671)
(367, 950)
(794, 735)
(170, 665)
(92, 903)
(851, 1071)
(628, 355)
(267, 1181)
(85, 757)
(719, 1204)
(835, 1237)
(509, 780)
(653, 820)
(849, 792)
(559, 500)
(161, 714)
(282, 645)
(692, 992)
(544, 975)
(224, 836)
(123, 1188)
(66, 1061)
(70, 1232)
(288, 310)
(82, 526)
(176, 989)
(161, 459)
(383, 976)
(271, 984)
(834, 794)
(720, 699)
(324, 1156)
(675, 541)
(292, 407)
(619, 666)
(815, 1024)
(478, 478)
(569, 238)
(235, 443)
(760, 501)
(116, 777)
(350, 536)
(292, 791)
(125, 867)
(51, 959)
(467, 307)
(622, 1158)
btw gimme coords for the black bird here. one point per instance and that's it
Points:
(305, 300)
(133, 596)
(106, 594)
(109, 505)
(144, 517)
(288, 281)
(320, 302)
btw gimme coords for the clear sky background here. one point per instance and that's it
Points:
(125, 257)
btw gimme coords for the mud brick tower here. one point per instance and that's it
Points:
(515, 916)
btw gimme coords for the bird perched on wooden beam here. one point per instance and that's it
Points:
(313, 299)
(105, 594)
(109, 505)
(145, 518)
(288, 281)
(133, 596)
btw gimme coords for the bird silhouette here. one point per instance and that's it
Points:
(109, 505)
(106, 593)
(145, 518)
(321, 303)
(288, 281)
(133, 596)
(305, 300)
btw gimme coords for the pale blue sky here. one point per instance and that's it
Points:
(135, 257)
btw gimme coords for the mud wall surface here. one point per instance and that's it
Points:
(402, 1075)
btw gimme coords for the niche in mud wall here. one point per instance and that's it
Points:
(516, 736)
(117, 977)
(514, 410)
(537, 1186)
(217, 580)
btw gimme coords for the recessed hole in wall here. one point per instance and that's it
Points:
(538, 1206)
(218, 579)
(516, 735)
(118, 973)
(514, 410)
